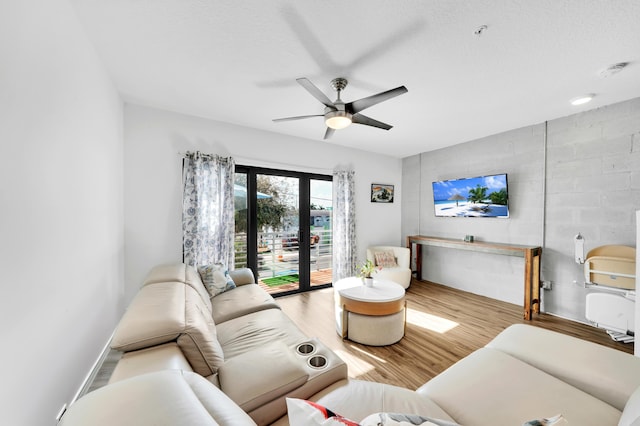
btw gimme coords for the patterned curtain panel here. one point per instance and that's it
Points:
(208, 224)
(344, 225)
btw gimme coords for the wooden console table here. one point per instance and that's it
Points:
(530, 254)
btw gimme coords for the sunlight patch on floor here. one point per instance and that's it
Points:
(430, 322)
(357, 366)
(377, 358)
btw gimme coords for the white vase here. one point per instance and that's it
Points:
(368, 282)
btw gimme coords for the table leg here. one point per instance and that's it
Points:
(536, 281)
(418, 259)
(345, 319)
(531, 282)
(528, 289)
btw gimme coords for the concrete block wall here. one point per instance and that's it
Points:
(517, 153)
(593, 171)
(591, 184)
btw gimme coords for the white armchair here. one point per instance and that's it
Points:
(400, 274)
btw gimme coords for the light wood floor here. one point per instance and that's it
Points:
(443, 326)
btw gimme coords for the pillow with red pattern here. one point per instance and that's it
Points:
(308, 413)
(302, 412)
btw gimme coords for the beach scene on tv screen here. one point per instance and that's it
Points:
(484, 196)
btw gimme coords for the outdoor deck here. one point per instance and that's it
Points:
(278, 258)
(317, 278)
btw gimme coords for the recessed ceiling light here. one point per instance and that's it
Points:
(581, 100)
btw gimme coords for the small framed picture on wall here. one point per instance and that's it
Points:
(381, 193)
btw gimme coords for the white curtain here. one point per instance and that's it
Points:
(208, 224)
(344, 225)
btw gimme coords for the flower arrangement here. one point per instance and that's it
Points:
(367, 268)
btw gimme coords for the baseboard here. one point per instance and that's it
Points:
(88, 380)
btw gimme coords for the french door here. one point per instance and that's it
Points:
(283, 228)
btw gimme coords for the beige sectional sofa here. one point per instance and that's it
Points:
(239, 340)
(168, 376)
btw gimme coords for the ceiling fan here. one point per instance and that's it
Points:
(338, 115)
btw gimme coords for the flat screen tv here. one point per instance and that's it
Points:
(482, 196)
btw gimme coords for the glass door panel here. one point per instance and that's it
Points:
(320, 214)
(277, 213)
(241, 218)
(283, 228)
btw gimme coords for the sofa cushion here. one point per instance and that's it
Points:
(182, 273)
(155, 316)
(251, 384)
(609, 375)
(216, 278)
(198, 341)
(167, 397)
(256, 330)
(518, 393)
(240, 301)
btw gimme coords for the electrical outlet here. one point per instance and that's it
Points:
(546, 285)
(61, 413)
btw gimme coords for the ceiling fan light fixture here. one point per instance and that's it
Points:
(338, 119)
(581, 100)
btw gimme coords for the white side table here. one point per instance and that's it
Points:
(374, 316)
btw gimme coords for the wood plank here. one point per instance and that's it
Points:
(443, 326)
(479, 246)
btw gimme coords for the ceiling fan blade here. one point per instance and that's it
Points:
(298, 117)
(315, 92)
(368, 121)
(328, 133)
(364, 103)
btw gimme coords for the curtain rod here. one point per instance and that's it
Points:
(247, 161)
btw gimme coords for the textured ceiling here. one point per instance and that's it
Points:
(237, 61)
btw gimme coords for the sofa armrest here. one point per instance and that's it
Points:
(157, 358)
(242, 276)
(255, 378)
(167, 397)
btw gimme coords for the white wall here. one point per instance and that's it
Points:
(61, 224)
(592, 186)
(154, 140)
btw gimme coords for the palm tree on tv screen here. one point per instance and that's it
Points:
(477, 194)
(499, 197)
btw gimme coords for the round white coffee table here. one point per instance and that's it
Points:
(374, 316)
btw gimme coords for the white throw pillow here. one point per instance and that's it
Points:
(216, 278)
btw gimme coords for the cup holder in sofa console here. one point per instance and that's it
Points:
(317, 361)
(305, 348)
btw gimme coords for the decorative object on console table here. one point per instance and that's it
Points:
(381, 193)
